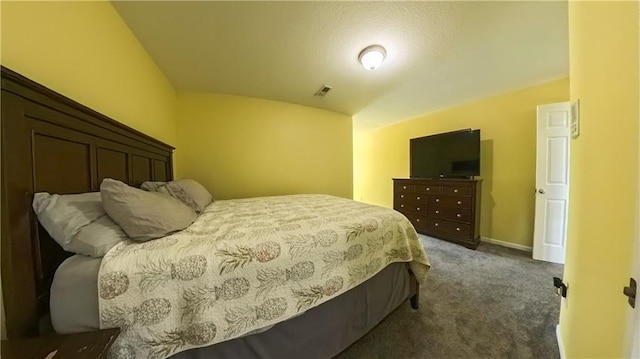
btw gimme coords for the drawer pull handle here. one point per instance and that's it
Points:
(459, 202)
(458, 229)
(401, 196)
(418, 220)
(404, 187)
(458, 215)
(417, 209)
(437, 211)
(418, 198)
(436, 224)
(427, 188)
(455, 191)
(437, 199)
(402, 206)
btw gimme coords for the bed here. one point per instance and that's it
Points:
(53, 144)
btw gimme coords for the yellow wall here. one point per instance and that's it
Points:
(85, 51)
(604, 46)
(242, 147)
(508, 146)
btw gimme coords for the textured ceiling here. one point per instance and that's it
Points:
(439, 54)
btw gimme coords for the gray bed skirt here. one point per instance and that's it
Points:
(324, 331)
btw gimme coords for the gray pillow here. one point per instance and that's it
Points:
(78, 222)
(189, 192)
(152, 186)
(144, 215)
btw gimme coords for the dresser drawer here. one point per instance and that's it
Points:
(411, 197)
(419, 222)
(453, 228)
(450, 201)
(428, 189)
(403, 187)
(404, 207)
(456, 191)
(450, 213)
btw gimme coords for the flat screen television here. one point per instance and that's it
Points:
(446, 155)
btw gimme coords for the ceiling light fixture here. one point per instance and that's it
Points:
(372, 56)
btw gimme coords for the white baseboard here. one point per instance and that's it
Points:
(506, 244)
(560, 345)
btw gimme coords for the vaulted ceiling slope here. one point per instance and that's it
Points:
(439, 54)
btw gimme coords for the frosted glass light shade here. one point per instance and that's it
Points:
(372, 57)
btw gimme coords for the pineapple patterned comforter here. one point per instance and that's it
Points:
(244, 265)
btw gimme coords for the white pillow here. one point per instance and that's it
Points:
(144, 215)
(78, 222)
(97, 238)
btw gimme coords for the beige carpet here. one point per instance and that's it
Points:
(493, 302)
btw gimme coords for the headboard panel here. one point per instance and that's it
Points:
(51, 143)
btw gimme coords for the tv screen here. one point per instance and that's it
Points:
(451, 154)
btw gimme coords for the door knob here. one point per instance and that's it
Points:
(541, 191)
(630, 292)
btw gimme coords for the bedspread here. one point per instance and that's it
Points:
(244, 265)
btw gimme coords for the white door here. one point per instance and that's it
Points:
(552, 182)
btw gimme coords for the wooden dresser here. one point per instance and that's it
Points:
(448, 209)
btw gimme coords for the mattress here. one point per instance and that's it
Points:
(321, 332)
(324, 331)
(74, 295)
(245, 265)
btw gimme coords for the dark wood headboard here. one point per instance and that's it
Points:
(54, 144)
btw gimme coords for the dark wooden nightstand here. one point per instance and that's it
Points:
(89, 345)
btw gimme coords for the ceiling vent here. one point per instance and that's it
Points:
(323, 91)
